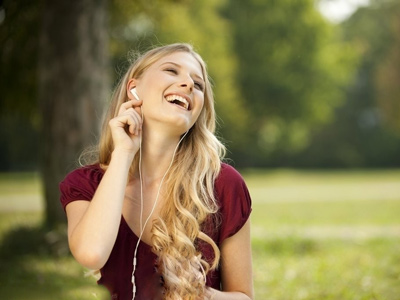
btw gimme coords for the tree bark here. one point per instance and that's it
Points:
(73, 84)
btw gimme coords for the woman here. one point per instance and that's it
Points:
(184, 231)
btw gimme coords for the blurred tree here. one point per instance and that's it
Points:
(388, 73)
(73, 83)
(19, 118)
(292, 70)
(360, 135)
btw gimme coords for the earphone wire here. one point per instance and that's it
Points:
(141, 200)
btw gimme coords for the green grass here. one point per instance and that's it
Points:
(35, 263)
(326, 235)
(20, 192)
(316, 235)
(19, 183)
(297, 268)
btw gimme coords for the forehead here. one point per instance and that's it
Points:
(184, 60)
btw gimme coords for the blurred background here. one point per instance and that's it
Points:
(307, 96)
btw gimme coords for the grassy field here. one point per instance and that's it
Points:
(326, 235)
(316, 235)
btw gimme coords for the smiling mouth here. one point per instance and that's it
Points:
(178, 100)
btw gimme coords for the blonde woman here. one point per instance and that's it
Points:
(158, 213)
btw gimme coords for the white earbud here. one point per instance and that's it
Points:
(134, 93)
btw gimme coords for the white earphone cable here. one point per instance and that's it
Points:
(141, 201)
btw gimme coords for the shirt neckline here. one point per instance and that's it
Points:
(131, 232)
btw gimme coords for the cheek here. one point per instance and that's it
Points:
(200, 106)
(201, 102)
(200, 111)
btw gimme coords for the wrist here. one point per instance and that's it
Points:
(122, 154)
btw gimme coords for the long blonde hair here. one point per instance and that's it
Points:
(189, 187)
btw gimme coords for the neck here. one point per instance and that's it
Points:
(157, 153)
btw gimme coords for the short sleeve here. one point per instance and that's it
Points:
(234, 199)
(80, 184)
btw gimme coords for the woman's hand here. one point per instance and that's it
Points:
(126, 127)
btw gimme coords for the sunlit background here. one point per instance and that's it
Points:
(308, 102)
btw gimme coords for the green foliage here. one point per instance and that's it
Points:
(291, 89)
(19, 136)
(291, 71)
(19, 117)
(18, 58)
(388, 73)
(274, 79)
(364, 132)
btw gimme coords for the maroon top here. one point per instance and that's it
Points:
(235, 207)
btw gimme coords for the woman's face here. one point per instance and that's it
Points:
(172, 90)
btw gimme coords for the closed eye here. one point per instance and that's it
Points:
(199, 85)
(172, 70)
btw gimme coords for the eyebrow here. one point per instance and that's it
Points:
(178, 65)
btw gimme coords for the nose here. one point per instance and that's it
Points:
(188, 83)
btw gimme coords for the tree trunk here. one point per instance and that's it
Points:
(73, 84)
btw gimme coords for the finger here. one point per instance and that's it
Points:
(135, 124)
(129, 121)
(132, 122)
(128, 104)
(137, 105)
(139, 110)
(124, 106)
(136, 115)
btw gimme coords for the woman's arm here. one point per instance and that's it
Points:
(93, 225)
(236, 267)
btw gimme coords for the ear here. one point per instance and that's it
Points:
(130, 85)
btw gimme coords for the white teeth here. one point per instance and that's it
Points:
(172, 98)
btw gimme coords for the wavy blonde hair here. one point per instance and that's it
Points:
(189, 187)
